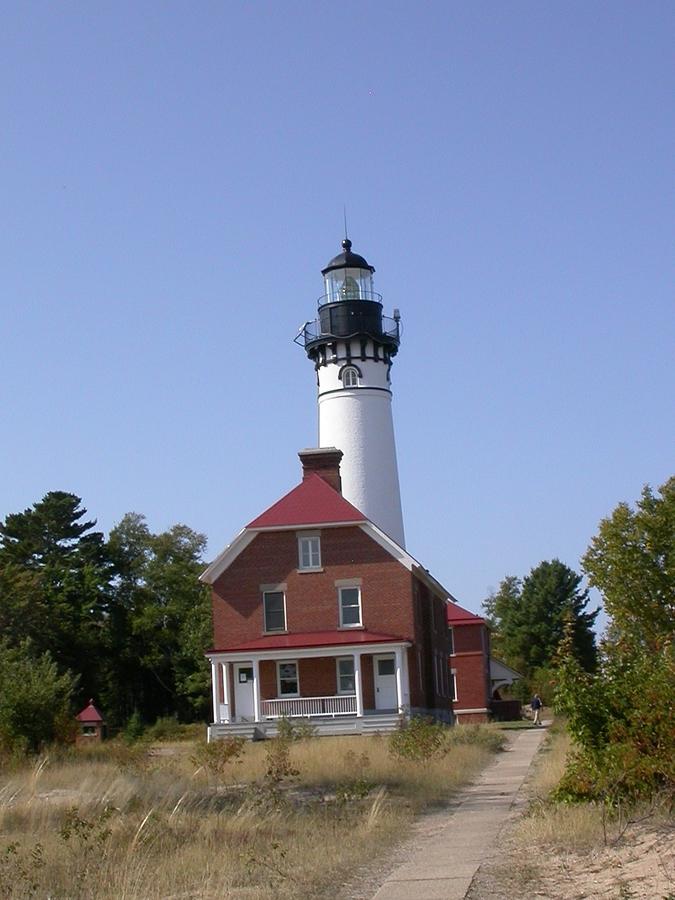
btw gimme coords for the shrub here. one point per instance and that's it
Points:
(133, 730)
(621, 723)
(278, 759)
(217, 757)
(35, 699)
(166, 728)
(295, 729)
(419, 739)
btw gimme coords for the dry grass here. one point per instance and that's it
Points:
(118, 823)
(575, 851)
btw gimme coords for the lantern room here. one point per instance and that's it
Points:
(347, 277)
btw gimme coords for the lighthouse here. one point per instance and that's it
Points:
(352, 345)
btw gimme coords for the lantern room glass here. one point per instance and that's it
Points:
(348, 284)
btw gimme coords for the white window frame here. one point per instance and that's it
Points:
(347, 380)
(274, 590)
(350, 587)
(338, 660)
(288, 662)
(453, 684)
(308, 538)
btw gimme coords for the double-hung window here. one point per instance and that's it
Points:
(287, 679)
(274, 605)
(350, 607)
(309, 552)
(453, 684)
(346, 682)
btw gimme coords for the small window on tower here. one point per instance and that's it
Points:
(350, 377)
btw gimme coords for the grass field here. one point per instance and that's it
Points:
(169, 821)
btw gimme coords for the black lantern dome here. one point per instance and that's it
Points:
(347, 260)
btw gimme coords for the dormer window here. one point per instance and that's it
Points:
(350, 377)
(309, 552)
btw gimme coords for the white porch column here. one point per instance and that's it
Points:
(226, 691)
(399, 679)
(256, 690)
(405, 675)
(358, 685)
(214, 690)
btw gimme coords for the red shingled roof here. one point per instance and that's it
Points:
(457, 615)
(311, 639)
(89, 714)
(312, 502)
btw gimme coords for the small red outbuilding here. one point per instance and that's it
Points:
(91, 724)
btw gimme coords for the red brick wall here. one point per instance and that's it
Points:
(368, 682)
(318, 677)
(268, 679)
(468, 637)
(311, 598)
(472, 718)
(431, 636)
(470, 662)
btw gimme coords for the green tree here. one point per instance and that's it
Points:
(160, 621)
(632, 562)
(35, 698)
(621, 718)
(528, 618)
(55, 583)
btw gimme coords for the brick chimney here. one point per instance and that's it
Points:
(325, 462)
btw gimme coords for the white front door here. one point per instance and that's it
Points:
(244, 709)
(384, 668)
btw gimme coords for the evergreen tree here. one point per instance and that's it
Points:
(55, 584)
(528, 618)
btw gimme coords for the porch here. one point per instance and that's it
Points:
(370, 723)
(346, 688)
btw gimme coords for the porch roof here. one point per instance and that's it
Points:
(309, 639)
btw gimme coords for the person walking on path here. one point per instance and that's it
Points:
(536, 706)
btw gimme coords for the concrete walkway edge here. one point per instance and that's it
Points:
(442, 867)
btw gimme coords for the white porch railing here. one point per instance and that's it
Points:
(342, 705)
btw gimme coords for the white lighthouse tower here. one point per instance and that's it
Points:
(352, 346)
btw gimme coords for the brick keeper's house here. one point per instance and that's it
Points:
(317, 613)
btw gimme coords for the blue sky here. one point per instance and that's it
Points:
(173, 178)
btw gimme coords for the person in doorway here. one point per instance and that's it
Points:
(536, 706)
